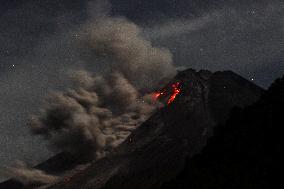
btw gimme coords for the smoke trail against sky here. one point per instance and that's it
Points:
(102, 110)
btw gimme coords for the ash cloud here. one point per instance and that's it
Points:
(27, 176)
(121, 42)
(100, 112)
(95, 117)
(219, 41)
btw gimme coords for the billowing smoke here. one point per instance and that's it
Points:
(95, 116)
(22, 173)
(120, 41)
(101, 111)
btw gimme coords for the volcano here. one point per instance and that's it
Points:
(156, 152)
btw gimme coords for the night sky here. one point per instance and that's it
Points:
(38, 49)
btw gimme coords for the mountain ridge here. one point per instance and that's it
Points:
(156, 151)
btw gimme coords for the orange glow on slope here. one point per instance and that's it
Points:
(174, 91)
(157, 95)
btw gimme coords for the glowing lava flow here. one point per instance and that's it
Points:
(157, 95)
(174, 91)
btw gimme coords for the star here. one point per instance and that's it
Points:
(252, 12)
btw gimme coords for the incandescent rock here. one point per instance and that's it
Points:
(156, 151)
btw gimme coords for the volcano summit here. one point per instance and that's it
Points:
(156, 151)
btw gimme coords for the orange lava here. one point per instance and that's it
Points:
(157, 95)
(174, 91)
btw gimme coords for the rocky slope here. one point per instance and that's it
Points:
(244, 152)
(157, 150)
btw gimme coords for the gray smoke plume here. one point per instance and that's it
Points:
(101, 111)
(120, 41)
(95, 116)
(22, 173)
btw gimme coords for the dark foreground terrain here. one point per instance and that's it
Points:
(244, 152)
(171, 149)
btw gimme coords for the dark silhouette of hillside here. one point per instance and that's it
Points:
(156, 151)
(243, 152)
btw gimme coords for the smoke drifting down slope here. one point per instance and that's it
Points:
(22, 173)
(102, 110)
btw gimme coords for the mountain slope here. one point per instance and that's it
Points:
(157, 150)
(243, 152)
